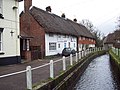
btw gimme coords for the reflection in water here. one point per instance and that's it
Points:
(98, 76)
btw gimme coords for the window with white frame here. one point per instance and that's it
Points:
(0, 41)
(52, 46)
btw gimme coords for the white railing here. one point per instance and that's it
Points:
(65, 62)
(116, 51)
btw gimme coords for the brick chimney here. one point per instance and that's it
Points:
(27, 5)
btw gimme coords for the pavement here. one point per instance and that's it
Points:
(18, 82)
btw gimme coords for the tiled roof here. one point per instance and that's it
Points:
(55, 24)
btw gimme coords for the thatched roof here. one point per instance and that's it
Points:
(56, 24)
(109, 39)
(113, 38)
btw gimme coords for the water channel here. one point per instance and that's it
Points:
(99, 75)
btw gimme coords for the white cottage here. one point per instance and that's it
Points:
(55, 43)
(9, 31)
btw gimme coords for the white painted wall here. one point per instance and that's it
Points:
(59, 40)
(11, 44)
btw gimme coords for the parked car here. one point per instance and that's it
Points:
(68, 51)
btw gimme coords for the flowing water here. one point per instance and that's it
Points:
(99, 75)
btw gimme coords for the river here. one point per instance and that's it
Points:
(99, 75)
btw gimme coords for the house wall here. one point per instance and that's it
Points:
(84, 43)
(10, 42)
(62, 40)
(31, 27)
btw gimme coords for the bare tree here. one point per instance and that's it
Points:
(88, 24)
(95, 32)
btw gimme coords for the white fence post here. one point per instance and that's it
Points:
(64, 64)
(29, 77)
(82, 53)
(85, 53)
(71, 61)
(76, 57)
(51, 69)
(79, 55)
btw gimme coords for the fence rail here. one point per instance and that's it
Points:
(62, 63)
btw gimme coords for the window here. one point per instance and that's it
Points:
(1, 35)
(58, 45)
(52, 46)
(64, 45)
(50, 35)
(0, 41)
(64, 36)
(68, 44)
(74, 44)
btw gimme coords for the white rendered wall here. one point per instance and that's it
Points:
(55, 39)
(11, 44)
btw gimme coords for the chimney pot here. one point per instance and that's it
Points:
(48, 9)
(75, 20)
(63, 15)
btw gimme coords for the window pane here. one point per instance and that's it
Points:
(52, 46)
(58, 45)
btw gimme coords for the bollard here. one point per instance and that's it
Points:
(76, 57)
(51, 69)
(71, 61)
(64, 64)
(29, 77)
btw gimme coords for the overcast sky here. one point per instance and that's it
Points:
(102, 13)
